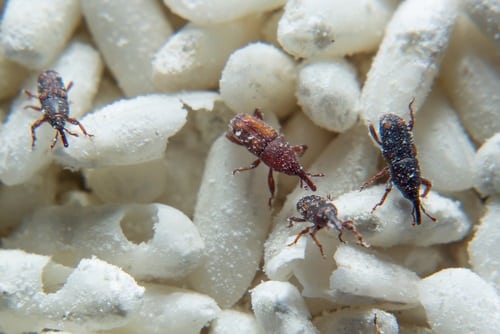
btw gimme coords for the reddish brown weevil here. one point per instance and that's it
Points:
(53, 96)
(270, 147)
(321, 212)
(400, 155)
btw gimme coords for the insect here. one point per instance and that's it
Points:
(400, 155)
(270, 147)
(53, 96)
(321, 212)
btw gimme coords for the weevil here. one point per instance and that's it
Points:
(53, 96)
(400, 154)
(270, 147)
(321, 212)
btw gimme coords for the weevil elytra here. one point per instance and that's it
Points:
(270, 147)
(321, 212)
(53, 96)
(400, 155)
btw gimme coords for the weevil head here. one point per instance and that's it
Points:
(234, 132)
(58, 123)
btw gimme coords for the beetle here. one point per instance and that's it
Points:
(402, 167)
(53, 96)
(321, 212)
(270, 147)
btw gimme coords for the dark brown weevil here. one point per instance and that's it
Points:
(321, 212)
(53, 96)
(270, 147)
(400, 155)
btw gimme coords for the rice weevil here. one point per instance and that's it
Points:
(400, 155)
(321, 212)
(53, 96)
(270, 147)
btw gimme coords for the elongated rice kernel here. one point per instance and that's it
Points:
(323, 68)
(216, 11)
(34, 32)
(194, 57)
(144, 234)
(26, 278)
(128, 34)
(451, 298)
(333, 27)
(261, 76)
(408, 58)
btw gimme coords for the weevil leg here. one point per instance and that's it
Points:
(388, 188)
(258, 113)
(71, 133)
(428, 215)
(340, 237)
(33, 128)
(270, 183)
(316, 241)
(428, 186)
(381, 173)
(30, 94)
(297, 238)
(33, 107)
(292, 220)
(70, 84)
(374, 135)
(349, 225)
(299, 149)
(75, 122)
(415, 213)
(315, 175)
(252, 166)
(412, 114)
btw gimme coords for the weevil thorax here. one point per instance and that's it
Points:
(53, 105)
(251, 132)
(397, 139)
